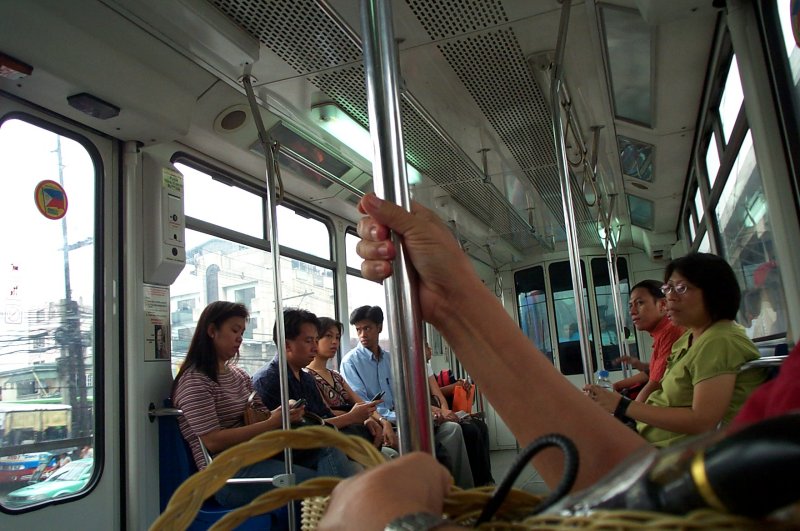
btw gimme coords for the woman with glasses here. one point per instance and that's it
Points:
(702, 385)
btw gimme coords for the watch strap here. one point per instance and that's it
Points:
(420, 521)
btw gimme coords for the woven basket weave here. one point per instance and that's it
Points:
(463, 506)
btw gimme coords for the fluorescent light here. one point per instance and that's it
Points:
(347, 130)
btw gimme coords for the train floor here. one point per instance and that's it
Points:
(529, 480)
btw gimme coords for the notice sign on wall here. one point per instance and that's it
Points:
(156, 323)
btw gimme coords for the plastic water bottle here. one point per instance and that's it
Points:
(601, 379)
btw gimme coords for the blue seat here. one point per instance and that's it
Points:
(176, 465)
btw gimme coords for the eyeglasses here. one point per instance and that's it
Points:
(679, 288)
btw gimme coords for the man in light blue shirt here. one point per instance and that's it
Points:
(368, 370)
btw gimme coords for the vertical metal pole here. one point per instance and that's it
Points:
(272, 231)
(613, 276)
(410, 385)
(566, 193)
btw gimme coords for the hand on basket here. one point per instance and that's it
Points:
(408, 484)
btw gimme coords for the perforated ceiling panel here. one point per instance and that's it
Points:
(492, 67)
(490, 64)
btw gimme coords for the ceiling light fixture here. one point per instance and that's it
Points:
(347, 130)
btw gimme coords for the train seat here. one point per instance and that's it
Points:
(176, 465)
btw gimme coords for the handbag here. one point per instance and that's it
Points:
(251, 413)
(462, 399)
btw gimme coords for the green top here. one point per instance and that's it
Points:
(721, 349)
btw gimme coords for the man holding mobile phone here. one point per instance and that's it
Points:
(367, 369)
(302, 330)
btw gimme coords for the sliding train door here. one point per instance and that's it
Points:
(59, 361)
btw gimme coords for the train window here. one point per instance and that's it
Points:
(229, 259)
(217, 201)
(642, 211)
(532, 306)
(731, 102)
(746, 237)
(609, 341)
(350, 242)
(691, 227)
(789, 40)
(629, 48)
(303, 233)
(49, 347)
(705, 244)
(569, 350)
(698, 202)
(363, 292)
(712, 160)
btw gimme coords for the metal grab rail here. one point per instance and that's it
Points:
(410, 385)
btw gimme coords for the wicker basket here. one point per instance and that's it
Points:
(463, 506)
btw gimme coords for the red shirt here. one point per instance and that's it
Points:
(664, 335)
(776, 397)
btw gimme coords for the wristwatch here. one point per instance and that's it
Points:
(421, 521)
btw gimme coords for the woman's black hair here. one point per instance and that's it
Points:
(202, 355)
(326, 323)
(715, 278)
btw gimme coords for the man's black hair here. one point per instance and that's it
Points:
(293, 319)
(653, 287)
(368, 313)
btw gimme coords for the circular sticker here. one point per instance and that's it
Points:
(51, 199)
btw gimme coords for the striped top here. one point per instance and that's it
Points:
(209, 406)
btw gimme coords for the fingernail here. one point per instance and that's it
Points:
(383, 250)
(373, 233)
(372, 201)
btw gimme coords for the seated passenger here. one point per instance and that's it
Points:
(702, 385)
(213, 393)
(368, 370)
(475, 431)
(301, 329)
(335, 391)
(532, 397)
(648, 308)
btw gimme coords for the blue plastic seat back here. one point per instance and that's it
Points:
(175, 465)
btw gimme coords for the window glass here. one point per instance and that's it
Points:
(532, 306)
(350, 242)
(731, 102)
(363, 292)
(569, 349)
(48, 326)
(303, 233)
(712, 160)
(746, 235)
(642, 211)
(605, 311)
(705, 244)
(690, 224)
(628, 41)
(698, 203)
(218, 269)
(221, 203)
(793, 53)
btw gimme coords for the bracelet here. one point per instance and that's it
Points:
(622, 407)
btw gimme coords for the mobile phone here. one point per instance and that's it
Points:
(299, 403)
(378, 396)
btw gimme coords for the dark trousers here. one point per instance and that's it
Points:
(476, 439)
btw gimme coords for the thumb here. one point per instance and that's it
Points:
(388, 213)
